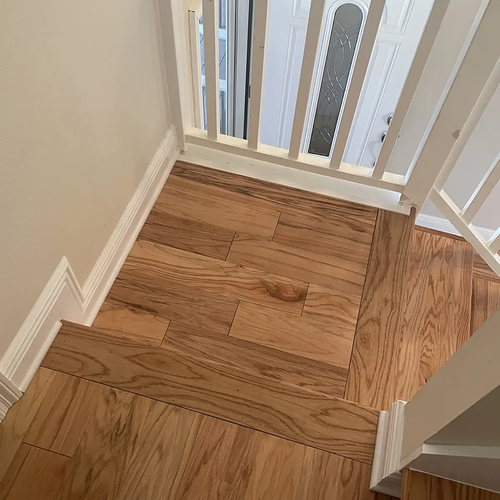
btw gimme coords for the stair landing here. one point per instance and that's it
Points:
(244, 350)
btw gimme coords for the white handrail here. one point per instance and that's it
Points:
(258, 62)
(306, 75)
(211, 44)
(494, 242)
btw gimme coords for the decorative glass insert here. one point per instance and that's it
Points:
(345, 32)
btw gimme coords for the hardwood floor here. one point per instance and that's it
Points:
(217, 366)
(418, 486)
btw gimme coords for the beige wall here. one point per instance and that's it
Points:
(82, 112)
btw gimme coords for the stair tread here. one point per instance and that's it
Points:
(420, 486)
(257, 359)
(292, 412)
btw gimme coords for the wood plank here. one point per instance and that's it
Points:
(281, 198)
(485, 301)
(336, 308)
(483, 270)
(342, 238)
(438, 308)
(181, 303)
(186, 234)
(295, 263)
(15, 425)
(34, 473)
(128, 442)
(419, 486)
(123, 321)
(298, 336)
(229, 461)
(376, 349)
(165, 266)
(61, 419)
(189, 200)
(327, 477)
(257, 359)
(284, 410)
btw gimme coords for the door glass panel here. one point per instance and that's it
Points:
(341, 49)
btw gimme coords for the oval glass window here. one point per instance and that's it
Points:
(339, 59)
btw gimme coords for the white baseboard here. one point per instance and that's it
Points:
(445, 226)
(386, 476)
(64, 298)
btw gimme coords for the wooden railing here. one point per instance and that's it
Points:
(472, 88)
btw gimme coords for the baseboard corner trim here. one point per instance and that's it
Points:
(64, 298)
(386, 476)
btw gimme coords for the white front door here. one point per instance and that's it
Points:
(399, 34)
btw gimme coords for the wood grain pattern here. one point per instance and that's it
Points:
(482, 270)
(165, 266)
(123, 321)
(308, 231)
(281, 409)
(326, 476)
(257, 359)
(273, 196)
(129, 441)
(189, 200)
(295, 263)
(298, 336)
(438, 308)
(18, 420)
(181, 303)
(192, 236)
(338, 309)
(234, 462)
(485, 301)
(34, 473)
(61, 419)
(419, 486)
(376, 349)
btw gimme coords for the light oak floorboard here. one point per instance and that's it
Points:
(276, 408)
(164, 266)
(188, 200)
(123, 321)
(485, 301)
(174, 302)
(419, 486)
(299, 336)
(257, 359)
(18, 420)
(337, 309)
(295, 263)
(376, 350)
(192, 236)
(361, 218)
(33, 474)
(327, 477)
(61, 419)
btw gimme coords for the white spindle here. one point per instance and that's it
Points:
(211, 45)
(195, 51)
(257, 81)
(314, 26)
(482, 192)
(427, 41)
(494, 243)
(358, 77)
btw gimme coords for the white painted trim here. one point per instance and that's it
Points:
(63, 297)
(445, 226)
(386, 476)
(203, 154)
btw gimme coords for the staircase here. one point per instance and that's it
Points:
(288, 313)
